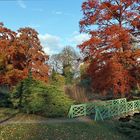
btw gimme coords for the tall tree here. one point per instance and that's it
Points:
(36, 59)
(68, 56)
(65, 63)
(112, 25)
(21, 53)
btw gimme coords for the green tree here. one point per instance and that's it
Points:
(36, 97)
(66, 63)
(57, 79)
(68, 74)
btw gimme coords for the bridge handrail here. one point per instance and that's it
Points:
(103, 112)
(89, 108)
(104, 109)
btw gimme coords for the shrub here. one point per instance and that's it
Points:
(135, 92)
(39, 98)
(57, 79)
(4, 97)
(130, 127)
(58, 103)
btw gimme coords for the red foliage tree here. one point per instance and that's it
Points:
(20, 53)
(112, 26)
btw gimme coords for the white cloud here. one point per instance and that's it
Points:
(75, 33)
(21, 4)
(51, 44)
(54, 44)
(48, 51)
(78, 38)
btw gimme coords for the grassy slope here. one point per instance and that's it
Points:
(6, 113)
(60, 131)
(63, 131)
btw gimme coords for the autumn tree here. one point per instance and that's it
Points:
(114, 61)
(21, 53)
(36, 59)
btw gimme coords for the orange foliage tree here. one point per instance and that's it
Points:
(113, 26)
(20, 53)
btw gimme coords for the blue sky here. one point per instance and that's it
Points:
(57, 21)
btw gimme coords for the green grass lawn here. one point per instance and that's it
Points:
(92, 130)
(61, 131)
(6, 113)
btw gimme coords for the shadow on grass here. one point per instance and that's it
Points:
(8, 118)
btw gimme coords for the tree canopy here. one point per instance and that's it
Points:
(20, 53)
(112, 26)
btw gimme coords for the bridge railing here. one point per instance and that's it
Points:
(109, 111)
(116, 101)
(81, 110)
(104, 109)
(90, 108)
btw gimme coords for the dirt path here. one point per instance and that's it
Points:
(46, 121)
